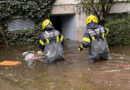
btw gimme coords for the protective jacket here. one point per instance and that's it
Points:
(95, 38)
(51, 42)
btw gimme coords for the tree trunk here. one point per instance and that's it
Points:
(3, 39)
(102, 22)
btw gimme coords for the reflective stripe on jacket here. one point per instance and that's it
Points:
(98, 32)
(49, 37)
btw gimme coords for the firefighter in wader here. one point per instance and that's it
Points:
(51, 42)
(95, 39)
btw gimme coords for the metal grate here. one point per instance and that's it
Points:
(20, 24)
(6, 1)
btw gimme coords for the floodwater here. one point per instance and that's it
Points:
(75, 73)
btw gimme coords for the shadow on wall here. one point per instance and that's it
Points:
(66, 25)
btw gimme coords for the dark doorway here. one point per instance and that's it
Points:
(57, 22)
(66, 24)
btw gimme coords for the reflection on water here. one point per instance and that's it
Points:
(72, 74)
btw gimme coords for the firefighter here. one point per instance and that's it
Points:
(51, 42)
(95, 39)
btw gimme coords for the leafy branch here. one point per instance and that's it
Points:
(100, 8)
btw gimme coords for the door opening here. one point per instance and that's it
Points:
(65, 24)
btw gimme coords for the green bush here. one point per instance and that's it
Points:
(33, 9)
(36, 10)
(119, 32)
(23, 37)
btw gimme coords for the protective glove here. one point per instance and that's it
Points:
(80, 49)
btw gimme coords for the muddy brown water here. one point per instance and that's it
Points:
(72, 74)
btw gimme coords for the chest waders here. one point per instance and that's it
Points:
(98, 48)
(53, 49)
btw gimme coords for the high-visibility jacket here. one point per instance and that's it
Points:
(50, 42)
(49, 36)
(95, 38)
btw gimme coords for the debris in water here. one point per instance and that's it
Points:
(121, 58)
(30, 56)
(127, 68)
(112, 70)
(10, 63)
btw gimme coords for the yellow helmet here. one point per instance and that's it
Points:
(91, 18)
(45, 23)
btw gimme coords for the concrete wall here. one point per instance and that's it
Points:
(68, 7)
(68, 27)
(120, 7)
(58, 2)
(64, 7)
(61, 7)
(80, 25)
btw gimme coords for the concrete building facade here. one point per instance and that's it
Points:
(66, 17)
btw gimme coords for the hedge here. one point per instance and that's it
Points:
(36, 10)
(23, 37)
(119, 32)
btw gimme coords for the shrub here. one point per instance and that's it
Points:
(36, 10)
(119, 32)
(23, 37)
